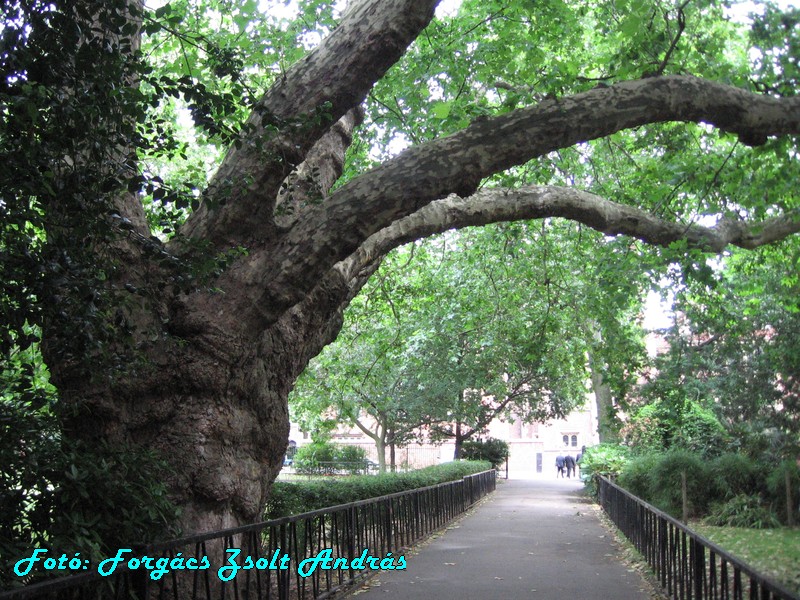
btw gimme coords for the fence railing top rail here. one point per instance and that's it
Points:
(737, 563)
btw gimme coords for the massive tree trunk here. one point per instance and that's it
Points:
(218, 359)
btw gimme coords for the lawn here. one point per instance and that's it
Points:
(773, 552)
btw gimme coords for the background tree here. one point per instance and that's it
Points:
(733, 350)
(457, 335)
(188, 342)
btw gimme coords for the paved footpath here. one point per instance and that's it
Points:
(532, 538)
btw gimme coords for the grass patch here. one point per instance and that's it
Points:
(773, 552)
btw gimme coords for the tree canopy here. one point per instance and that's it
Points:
(455, 331)
(733, 350)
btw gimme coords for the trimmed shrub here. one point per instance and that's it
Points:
(289, 498)
(735, 474)
(493, 450)
(637, 476)
(667, 482)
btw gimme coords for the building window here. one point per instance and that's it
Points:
(574, 441)
(566, 440)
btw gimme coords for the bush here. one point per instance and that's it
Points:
(66, 495)
(740, 491)
(324, 458)
(733, 485)
(493, 450)
(351, 459)
(289, 498)
(743, 511)
(701, 432)
(667, 482)
(660, 426)
(309, 459)
(604, 459)
(647, 430)
(84, 499)
(735, 474)
(637, 476)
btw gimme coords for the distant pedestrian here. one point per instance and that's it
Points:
(560, 463)
(570, 464)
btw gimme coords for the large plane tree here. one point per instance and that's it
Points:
(188, 342)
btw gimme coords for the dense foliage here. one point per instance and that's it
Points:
(451, 334)
(324, 458)
(661, 425)
(491, 450)
(731, 489)
(287, 498)
(605, 460)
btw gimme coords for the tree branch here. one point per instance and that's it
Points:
(312, 181)
(537, 202)
(317, 91)
(457, 163)
(275, 277)
(375, 437)
(321, 311)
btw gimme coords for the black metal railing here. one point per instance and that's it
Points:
(688, 566)
(309, 555)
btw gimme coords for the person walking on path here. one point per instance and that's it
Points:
(560, 462)
(570, 464)
(529, 539)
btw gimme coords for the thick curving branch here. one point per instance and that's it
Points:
(536, 202)
(294, 114)
(313, 179)
(457, 163)
(278, 276)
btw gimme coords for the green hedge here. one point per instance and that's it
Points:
(290, 498)
(732, 489)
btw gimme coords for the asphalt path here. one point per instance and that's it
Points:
(531, 538)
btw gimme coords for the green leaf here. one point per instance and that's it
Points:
(441, 110)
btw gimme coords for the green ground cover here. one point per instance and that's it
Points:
(773, 552)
